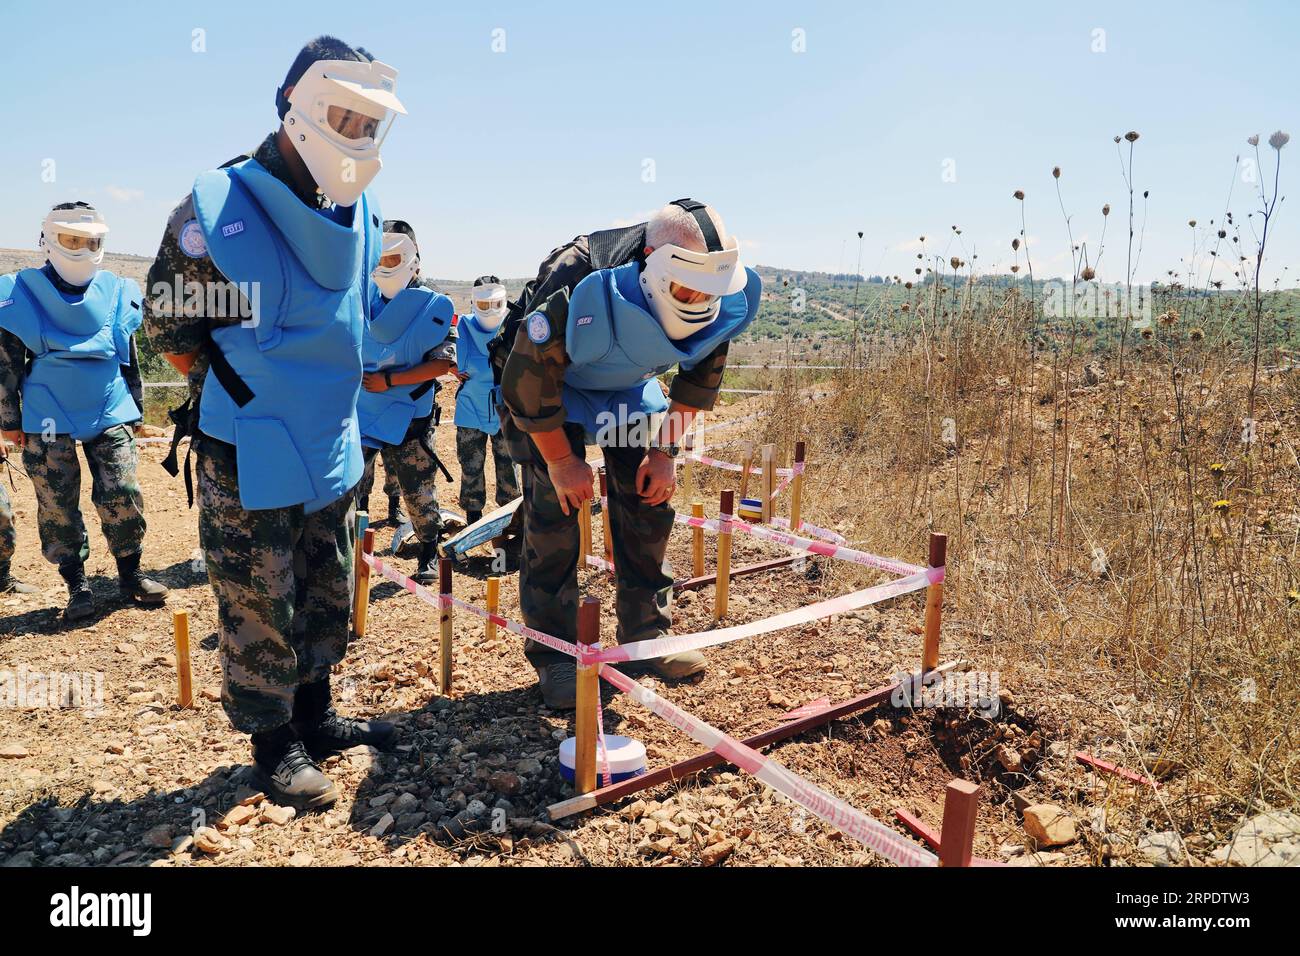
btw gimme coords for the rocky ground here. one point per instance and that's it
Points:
(138, 781)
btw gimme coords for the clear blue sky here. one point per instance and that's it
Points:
(799, 151)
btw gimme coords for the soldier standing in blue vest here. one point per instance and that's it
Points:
(583, 368)
(477, 423)
(68, 374)
(292, 236)
(409, 341)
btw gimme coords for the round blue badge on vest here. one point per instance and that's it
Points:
(192, 242)
(539, 329)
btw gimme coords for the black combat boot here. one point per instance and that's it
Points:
(287, 772)
(134, 586)
(396, 514)
(426, 572)
(324, 732)
(472, 516)
(11, 585)
(81, 602)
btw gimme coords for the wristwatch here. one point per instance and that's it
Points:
(388, 377)
(672, 451)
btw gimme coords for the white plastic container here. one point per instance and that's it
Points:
(626, 758)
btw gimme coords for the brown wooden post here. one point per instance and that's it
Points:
(362, 604)
(184, 677)
(957, 835)
(796, 488)
(769, 482)
(697, 541)
(723, 587)
(688, 469)
(493, 603)
(748, 449)
(588, 699)
(444, 623)
(934, 603)
(604, 520)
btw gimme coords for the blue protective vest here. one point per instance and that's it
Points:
(297, 440)
(399, 334)
(474, 405)
(617, 347)
(79, 344)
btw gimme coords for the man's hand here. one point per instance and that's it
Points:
(656, 479)
(374, 382)
(572, 478)
(16, 436)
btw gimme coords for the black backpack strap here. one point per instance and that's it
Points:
(616, 247)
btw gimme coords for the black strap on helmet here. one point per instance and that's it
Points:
(697, 209)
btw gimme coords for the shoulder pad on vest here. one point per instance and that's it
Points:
(589, 332)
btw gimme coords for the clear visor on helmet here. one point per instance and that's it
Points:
(487, 305)
(75, 243)
(688, 296)
(352, 122)
(390, 260)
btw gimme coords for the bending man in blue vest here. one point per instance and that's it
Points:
(476, 412)
(409, 341)
(71, 326)
(283, 242)
(583, 369)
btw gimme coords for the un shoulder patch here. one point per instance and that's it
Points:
(539, 328)
(192, 242)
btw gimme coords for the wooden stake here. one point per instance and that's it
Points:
(181, 632)
(957, 835)
(493, 603)
(362, 598)
(769, 481)
(697, 541)
(444, 623)
(934, 603)
(584, 533)
(688, 469)
(748, 448)
(584, 753)
(796, 488)
(726, 506)
(606, 525)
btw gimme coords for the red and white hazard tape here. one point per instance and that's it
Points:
(753, 469)
(645, 650)
(811, 529)
(436, 600)
(839, 552)
(871, 833)
(892, 846)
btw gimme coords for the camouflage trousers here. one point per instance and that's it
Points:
(367, 483)
(411, 467)
(471, 452)
(56, 475)
(548, 567)
(8, 536)
(284, 582)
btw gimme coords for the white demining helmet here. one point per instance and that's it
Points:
(340, 111)
(489, 302)
(684, 288)
(399, 263)
(73, 240)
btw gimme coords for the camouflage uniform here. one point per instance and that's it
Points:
(284, 586)
(412, 468)
(8, 536)
(367, 483)
(471, 452)
(532, 384)
(283, 580)
(56, 474)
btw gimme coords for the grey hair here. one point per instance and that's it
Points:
(674, 226)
